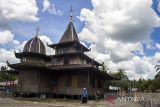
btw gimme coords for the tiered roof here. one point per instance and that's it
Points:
(69, 38)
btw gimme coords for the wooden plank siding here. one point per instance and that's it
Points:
(28, 81)
(62, 81)
(70, 83)
(76, 91)
(74, 81)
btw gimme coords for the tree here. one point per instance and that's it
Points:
(155, 85)
(124, 82)
(104, 68)
(121, 74)
(5, 75)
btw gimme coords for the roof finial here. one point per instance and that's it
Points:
(71, 15)
(37, 31)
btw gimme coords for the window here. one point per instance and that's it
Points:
(66, 60)
(23, 60)
(69, 79)
(54, 82)
(93, 82)
(54, 61)
(57, 51)
(99, 84)
(64, 50)
(84, 62)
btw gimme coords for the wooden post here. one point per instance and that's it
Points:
(88, 84)
(65, 86)
(38, 79)
(88, 80)
(21, 83)
(6, 86)
(12, 82)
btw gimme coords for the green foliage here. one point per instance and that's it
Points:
(6, 76)
(155, 85)
(123, 83)
(121, 75)
(141, 84)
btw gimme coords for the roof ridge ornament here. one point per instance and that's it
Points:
(71, 15)
(37, 30)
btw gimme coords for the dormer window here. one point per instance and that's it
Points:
(64, 50)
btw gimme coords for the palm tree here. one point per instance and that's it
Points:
(157, 67)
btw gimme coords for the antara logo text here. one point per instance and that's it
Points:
(112, 99)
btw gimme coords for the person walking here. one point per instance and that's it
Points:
(84, 96)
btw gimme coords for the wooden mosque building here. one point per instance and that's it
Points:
(65, 73)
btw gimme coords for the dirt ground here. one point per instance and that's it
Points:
(10, 102)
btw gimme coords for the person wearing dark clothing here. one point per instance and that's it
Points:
(84, 96)
(96, 97)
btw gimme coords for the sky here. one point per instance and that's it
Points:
(121, 33)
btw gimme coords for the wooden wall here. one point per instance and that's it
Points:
(34, 81)
(73, 60)
(74, 82)
(58, 82)
(68, 49)
(28, 81)
(44, 81)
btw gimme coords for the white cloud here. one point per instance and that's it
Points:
(46, 5)
(2, 64)
(158, 45)
(118, 19)
(5, 37)
(158, 6)
(16, 42)
(46, 40)
(7, 55)
(21, 10)
(118, 29)
(157, 56)
(20, 47)
(51, 8)
(138, 68)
